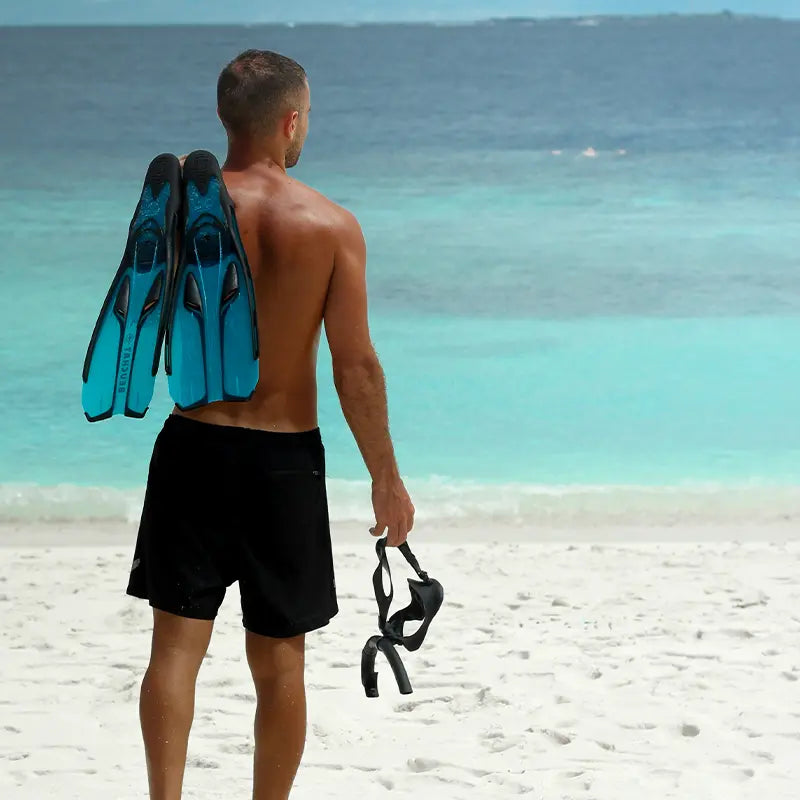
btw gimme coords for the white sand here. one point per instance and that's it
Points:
(555, 670)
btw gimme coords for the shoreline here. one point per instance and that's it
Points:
(515, 511)
(447, 532)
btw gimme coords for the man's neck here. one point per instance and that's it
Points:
(244, 155)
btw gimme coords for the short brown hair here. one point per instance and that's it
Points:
(256, 89)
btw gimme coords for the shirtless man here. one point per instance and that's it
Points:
(236, 491)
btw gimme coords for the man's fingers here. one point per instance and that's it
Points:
(391, 535)
(398, 533)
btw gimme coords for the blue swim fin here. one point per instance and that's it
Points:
(212, 336)
(125, 348)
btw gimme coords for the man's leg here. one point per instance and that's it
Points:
(166, 706)
(278, 668)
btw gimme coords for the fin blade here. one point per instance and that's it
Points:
(214, 356)
(124, 351)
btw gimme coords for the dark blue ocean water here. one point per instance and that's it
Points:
(584, 242)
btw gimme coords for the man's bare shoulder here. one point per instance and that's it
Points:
(337, 217)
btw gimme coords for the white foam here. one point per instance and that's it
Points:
(440, 498)
(28, 502)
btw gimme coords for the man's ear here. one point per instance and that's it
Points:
(290, 124)
(222, 121)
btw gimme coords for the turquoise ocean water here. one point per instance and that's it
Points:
(566, 332)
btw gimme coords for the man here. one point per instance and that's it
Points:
(236, 491)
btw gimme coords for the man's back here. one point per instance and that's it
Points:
(290, 234)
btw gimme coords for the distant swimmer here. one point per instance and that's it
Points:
(589, 152)
(622, 152)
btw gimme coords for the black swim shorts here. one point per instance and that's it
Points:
(227, 504)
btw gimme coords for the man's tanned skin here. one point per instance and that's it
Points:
(308, 260)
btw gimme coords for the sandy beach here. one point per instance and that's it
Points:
(564, 664)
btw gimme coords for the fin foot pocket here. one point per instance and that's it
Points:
(200, 168)
(207, 247)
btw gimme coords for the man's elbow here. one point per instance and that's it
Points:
(356, 367)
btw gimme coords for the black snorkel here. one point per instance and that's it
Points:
(427, 596)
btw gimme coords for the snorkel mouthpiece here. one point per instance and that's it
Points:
(369, 678)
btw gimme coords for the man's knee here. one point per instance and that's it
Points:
(275, 659)
(179, 638)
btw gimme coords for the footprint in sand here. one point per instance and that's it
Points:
(242, 749)
(739, 633)
(606, 746)
(320, 732)
(222, 683)
(203, 763)
(411, 705)
(555, 736)
(496, 741)
(423, 764)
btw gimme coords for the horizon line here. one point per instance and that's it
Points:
(511, 18)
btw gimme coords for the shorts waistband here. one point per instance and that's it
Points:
(209, 432)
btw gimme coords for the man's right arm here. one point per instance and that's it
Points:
(360, 382)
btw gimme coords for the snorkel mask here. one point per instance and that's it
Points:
(427, 596)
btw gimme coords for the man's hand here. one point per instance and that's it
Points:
(394, 511)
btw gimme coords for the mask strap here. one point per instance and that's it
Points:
(384, 600)
(412, 559)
